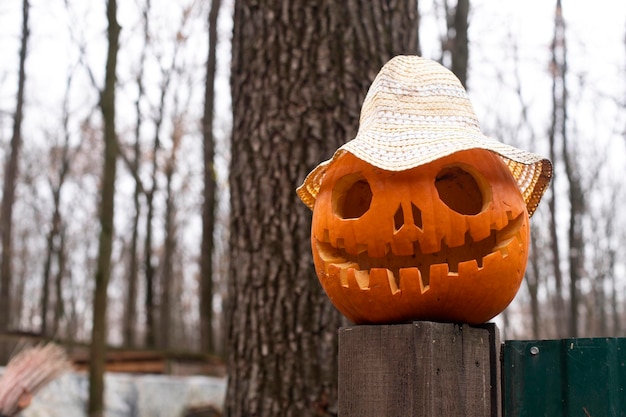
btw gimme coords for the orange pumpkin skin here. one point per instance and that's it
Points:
(446, 241)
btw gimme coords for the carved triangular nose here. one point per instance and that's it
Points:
(407, 219)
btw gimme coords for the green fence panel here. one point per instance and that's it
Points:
(564, 378)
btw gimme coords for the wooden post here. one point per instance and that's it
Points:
(423, 369)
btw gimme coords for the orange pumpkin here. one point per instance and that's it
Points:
(445, 241)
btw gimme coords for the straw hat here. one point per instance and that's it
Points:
(417, 111)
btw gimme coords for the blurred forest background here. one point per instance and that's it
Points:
(541, 76)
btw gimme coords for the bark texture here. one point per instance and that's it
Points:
(103, 269)
(210, 185)
(300, 72)
(460, 43)
(576, 193)
(130, 312)
(10, 178)
(558, 130)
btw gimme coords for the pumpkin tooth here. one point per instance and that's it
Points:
(378, 251)
(341, 269)
(347, 265)
(509, 244)
(428, 246)
(326, 237)
(343, 277)
(410, 278)
(363, 259)
(493, 259)
(382, 277)
(403, 247)
(480, 231)
(331, 258)
(438, 271)
(503, 247)
(328, 253)
(393, 282)
(507, 239)
(468, 267)
(361, 277)
(334, 270)
(511, 230)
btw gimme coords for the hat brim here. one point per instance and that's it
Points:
(532, 172)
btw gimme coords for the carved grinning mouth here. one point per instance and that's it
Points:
(337, 259)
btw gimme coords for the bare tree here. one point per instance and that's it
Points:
(457, 41)
(533, 282)
(535, 274)
(149, 267)
(210, 185)
(103, 268)
(130, 314)
(557, 126)
(300, 72)
(10, 177)
(168, 71)
(167, 264)
(55, 240)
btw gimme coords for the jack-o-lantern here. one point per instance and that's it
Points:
(446, 241)
(420, 216)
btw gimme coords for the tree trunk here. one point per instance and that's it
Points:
(555, 129)
(575, 191)
(149, 304)
(59, 306)
(103, 268)
(150, 274)
(56, 236)
(208, 207)
(10, 178)
(165, 310)
(460, 41)
(130, 312)
(18, 292)
(300, 72)
(617, 329)
(47, 267)
(167, 267)
(533, 279)
(149, 268)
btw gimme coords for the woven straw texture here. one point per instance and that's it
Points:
(417, 111)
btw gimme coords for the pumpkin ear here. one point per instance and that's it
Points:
(460, 190)
(352, 197)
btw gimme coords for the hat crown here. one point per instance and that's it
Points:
(411, 93)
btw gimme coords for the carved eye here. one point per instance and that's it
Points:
(459, 189)
(352, 197)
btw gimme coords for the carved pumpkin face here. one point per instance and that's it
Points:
(446, 241)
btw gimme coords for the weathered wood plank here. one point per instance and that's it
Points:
(419, 369)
